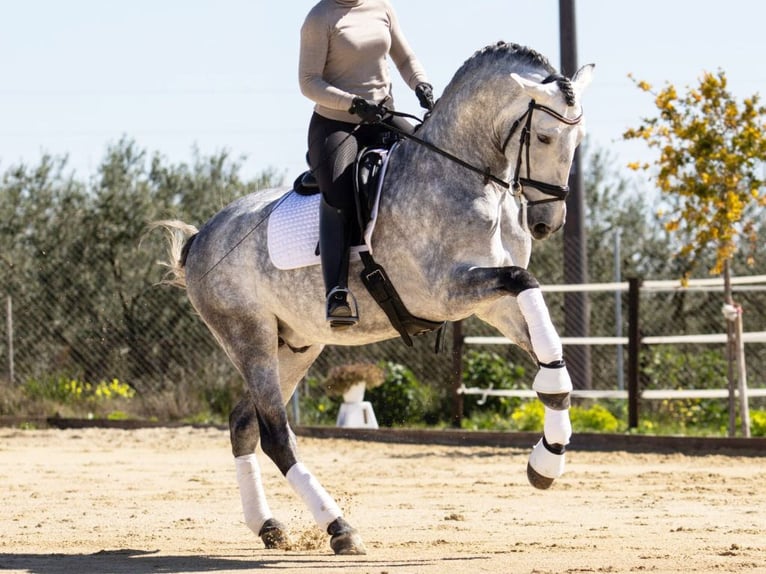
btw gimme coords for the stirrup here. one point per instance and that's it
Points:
(344, 315)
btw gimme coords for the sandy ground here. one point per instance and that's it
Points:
(165, 500)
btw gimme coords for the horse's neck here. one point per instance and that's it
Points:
(425, 186)
(466, 132)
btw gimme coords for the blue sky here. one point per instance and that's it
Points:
(77, 75)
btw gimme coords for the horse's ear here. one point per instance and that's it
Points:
(583, 78)
(534, 88)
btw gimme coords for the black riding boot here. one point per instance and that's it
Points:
(334, 245)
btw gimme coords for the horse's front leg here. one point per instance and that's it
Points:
(552, 382)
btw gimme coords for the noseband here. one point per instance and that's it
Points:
(557, 192)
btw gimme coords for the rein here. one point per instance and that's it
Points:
(558, 192)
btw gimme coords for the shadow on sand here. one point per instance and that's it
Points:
(130, 561)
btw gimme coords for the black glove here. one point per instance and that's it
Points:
(370, 112)
(425, 94)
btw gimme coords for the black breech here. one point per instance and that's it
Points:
(333, 147)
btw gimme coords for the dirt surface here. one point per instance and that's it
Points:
(165, 500)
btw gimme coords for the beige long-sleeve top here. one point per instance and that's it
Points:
(343, 55)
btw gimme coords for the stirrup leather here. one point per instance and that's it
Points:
(342, 320)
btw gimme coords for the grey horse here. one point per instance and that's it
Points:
(457, 212)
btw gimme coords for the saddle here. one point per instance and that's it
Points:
(369, 170)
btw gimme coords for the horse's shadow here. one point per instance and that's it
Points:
(131, 561)
(122, 562)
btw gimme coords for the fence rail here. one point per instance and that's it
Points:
(635, 342)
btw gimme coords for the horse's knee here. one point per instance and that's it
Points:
(516, 280)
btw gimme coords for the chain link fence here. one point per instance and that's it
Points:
(166, 353)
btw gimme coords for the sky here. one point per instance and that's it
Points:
(178, 75)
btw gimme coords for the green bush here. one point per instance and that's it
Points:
(316, 407)
(401, 400)
(69, 396)
(68, 390)
(758, 423)
(485, 369)
(596, 418)
(529, 417)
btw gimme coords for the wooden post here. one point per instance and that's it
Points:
(735, 347)
(634, 349)
(744, 407)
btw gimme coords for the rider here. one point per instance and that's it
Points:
(343, 69)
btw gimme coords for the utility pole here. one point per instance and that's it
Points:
(576, 304)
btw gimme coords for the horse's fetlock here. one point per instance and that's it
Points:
(556, 401)
(517, 280)
(552, 381)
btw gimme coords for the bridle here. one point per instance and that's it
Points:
(557, 192)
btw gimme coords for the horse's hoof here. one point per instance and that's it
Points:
(546, 464)
(538, 480)
(273, 534)
(345, 540)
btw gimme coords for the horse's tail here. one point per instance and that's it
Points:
(180, 236)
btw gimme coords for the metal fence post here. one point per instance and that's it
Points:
(9, 322)
(634, 348)
(457, 373)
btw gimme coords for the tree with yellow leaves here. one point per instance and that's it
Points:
(711, 155)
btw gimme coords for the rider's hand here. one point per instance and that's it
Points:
(425, 93)
(370, 112)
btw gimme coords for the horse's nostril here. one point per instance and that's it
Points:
(541, 230)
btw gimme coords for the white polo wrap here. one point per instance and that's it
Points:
(545, 341)
(254, 504)
(557, 427)
(322, 506)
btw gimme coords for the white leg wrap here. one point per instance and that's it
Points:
(557, 428)
(545, 341)
(552, 381)
(254, 504)
(319, 502)
(545, 462)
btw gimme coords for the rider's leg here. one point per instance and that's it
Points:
(334, 245)
(332, 150)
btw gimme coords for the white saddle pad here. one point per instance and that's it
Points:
(293, 230)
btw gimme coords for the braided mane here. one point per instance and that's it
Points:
(515, 56)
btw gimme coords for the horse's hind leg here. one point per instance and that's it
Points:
(262, 416)
(243, 429)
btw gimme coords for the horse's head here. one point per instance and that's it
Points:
(541, 144)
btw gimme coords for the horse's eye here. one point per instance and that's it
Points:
(543, 139)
